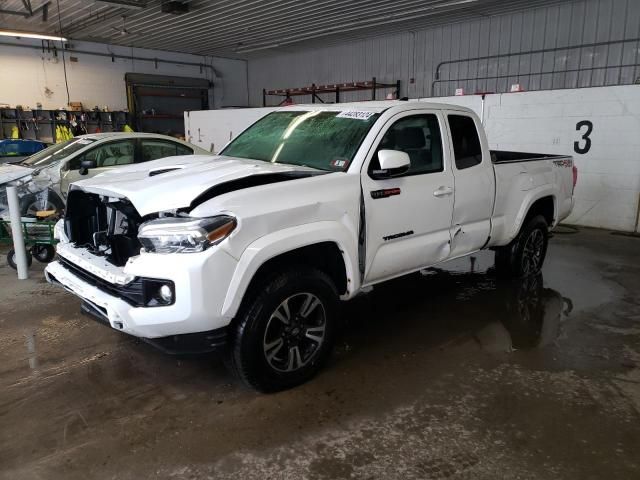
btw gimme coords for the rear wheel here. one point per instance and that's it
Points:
(285, 332)
(11, 259)
(525, 255)
(43, 253)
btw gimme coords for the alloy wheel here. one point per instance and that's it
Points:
(295, 332)
(532, 253)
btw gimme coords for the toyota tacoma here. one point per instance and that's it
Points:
(252, 251)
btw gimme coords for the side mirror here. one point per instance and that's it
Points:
(85, 165)
(392, 164)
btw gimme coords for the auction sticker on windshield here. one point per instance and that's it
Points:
(357, 115)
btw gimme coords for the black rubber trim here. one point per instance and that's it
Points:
(191, 343)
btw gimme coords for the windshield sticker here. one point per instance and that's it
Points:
(356, 115)
(85, 141)
(339, 163)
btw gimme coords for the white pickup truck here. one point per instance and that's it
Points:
(251, 251)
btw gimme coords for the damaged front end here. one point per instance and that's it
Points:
(106, 227)
(112, 228)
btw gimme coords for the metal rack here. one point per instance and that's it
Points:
(41, 124)
(336, 89)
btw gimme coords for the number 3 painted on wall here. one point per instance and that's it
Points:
(585, 136)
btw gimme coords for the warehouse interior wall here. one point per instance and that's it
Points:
(30, 75)
(607, 54)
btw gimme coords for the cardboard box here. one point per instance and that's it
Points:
(75, 106)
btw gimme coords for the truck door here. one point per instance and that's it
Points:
(475, 185)
(408, 217)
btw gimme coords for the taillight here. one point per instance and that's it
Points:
(575, 176)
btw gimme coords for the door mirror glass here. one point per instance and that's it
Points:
(85, 165)
(392, 163)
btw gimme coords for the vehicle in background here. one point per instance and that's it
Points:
(16, 150)
(43, 178)
(254, 249)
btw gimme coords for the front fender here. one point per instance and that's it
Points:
(286, 240)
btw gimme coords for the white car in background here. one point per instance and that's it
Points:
(43, 178)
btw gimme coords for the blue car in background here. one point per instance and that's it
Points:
(16, 150)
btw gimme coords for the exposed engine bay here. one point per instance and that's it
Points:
(105, 226)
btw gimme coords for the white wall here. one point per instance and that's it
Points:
(213, 129)
(94, 80)
(608, 190)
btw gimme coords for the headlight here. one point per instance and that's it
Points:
(185, 235)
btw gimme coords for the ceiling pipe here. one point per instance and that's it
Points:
(124, 57)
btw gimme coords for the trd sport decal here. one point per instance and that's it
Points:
(397, 235)
(387, 192)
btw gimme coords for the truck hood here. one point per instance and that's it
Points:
(175, 182)
(9, 173)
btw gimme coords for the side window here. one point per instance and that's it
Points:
(419, 137)
(466, 143)
(155, 149)
(110, 154)
(183, 150)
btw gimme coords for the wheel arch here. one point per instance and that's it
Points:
(545, 206)
(541, 202)
(325, 247)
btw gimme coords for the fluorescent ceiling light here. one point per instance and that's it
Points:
(131, 4)
(12, 33)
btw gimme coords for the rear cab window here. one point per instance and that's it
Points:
(467, 149)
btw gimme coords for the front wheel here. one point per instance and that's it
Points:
(525, 255)
(285, 332)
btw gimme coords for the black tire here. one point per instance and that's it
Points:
(29, 204)
(257, 355)
(43, 253)
(12, 261)
(525, 255)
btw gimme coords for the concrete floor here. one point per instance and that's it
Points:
(448, 375)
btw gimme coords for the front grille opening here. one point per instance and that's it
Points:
(106, 227)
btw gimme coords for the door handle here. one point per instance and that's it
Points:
(443, 191)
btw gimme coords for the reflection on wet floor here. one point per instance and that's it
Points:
(502, 315)
(31, 350)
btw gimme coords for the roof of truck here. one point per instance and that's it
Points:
(378, 106)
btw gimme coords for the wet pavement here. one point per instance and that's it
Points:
(448, 374)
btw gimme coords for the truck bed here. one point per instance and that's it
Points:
(502, 156)
(520, 175)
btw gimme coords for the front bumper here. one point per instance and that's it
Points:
(200, 279)
(186, 344)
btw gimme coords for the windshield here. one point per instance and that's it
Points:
(56, 152)
(318, 139)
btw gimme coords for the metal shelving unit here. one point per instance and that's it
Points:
(41, 124)
(336, 89)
